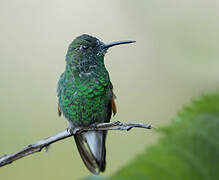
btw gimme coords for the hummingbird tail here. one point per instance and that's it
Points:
(91, 146)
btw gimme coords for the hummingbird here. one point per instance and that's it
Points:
(85, 96)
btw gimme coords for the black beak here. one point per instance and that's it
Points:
(108, 45)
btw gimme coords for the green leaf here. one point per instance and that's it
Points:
(189, 148)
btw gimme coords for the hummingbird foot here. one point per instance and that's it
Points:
(72, 129)
(94, 126)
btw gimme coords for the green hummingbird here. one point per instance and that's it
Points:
(85, 96)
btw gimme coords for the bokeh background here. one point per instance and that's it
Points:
(174, 60)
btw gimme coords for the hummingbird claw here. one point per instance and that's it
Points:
(94, 125)
(69, 130)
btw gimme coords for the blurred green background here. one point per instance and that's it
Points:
(174, 60)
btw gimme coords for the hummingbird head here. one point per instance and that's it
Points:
(86, 53)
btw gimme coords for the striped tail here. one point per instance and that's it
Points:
(91, 146)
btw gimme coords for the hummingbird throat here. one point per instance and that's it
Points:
(87, 66)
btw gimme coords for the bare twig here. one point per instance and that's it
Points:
(38, 146)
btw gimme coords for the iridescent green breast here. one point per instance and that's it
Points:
(84, 101)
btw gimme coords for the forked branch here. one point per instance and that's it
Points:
(38, 146)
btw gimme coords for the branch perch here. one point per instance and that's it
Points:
(38, 146)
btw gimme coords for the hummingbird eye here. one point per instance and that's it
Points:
(84, 47)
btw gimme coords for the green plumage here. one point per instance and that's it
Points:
(84, 89)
